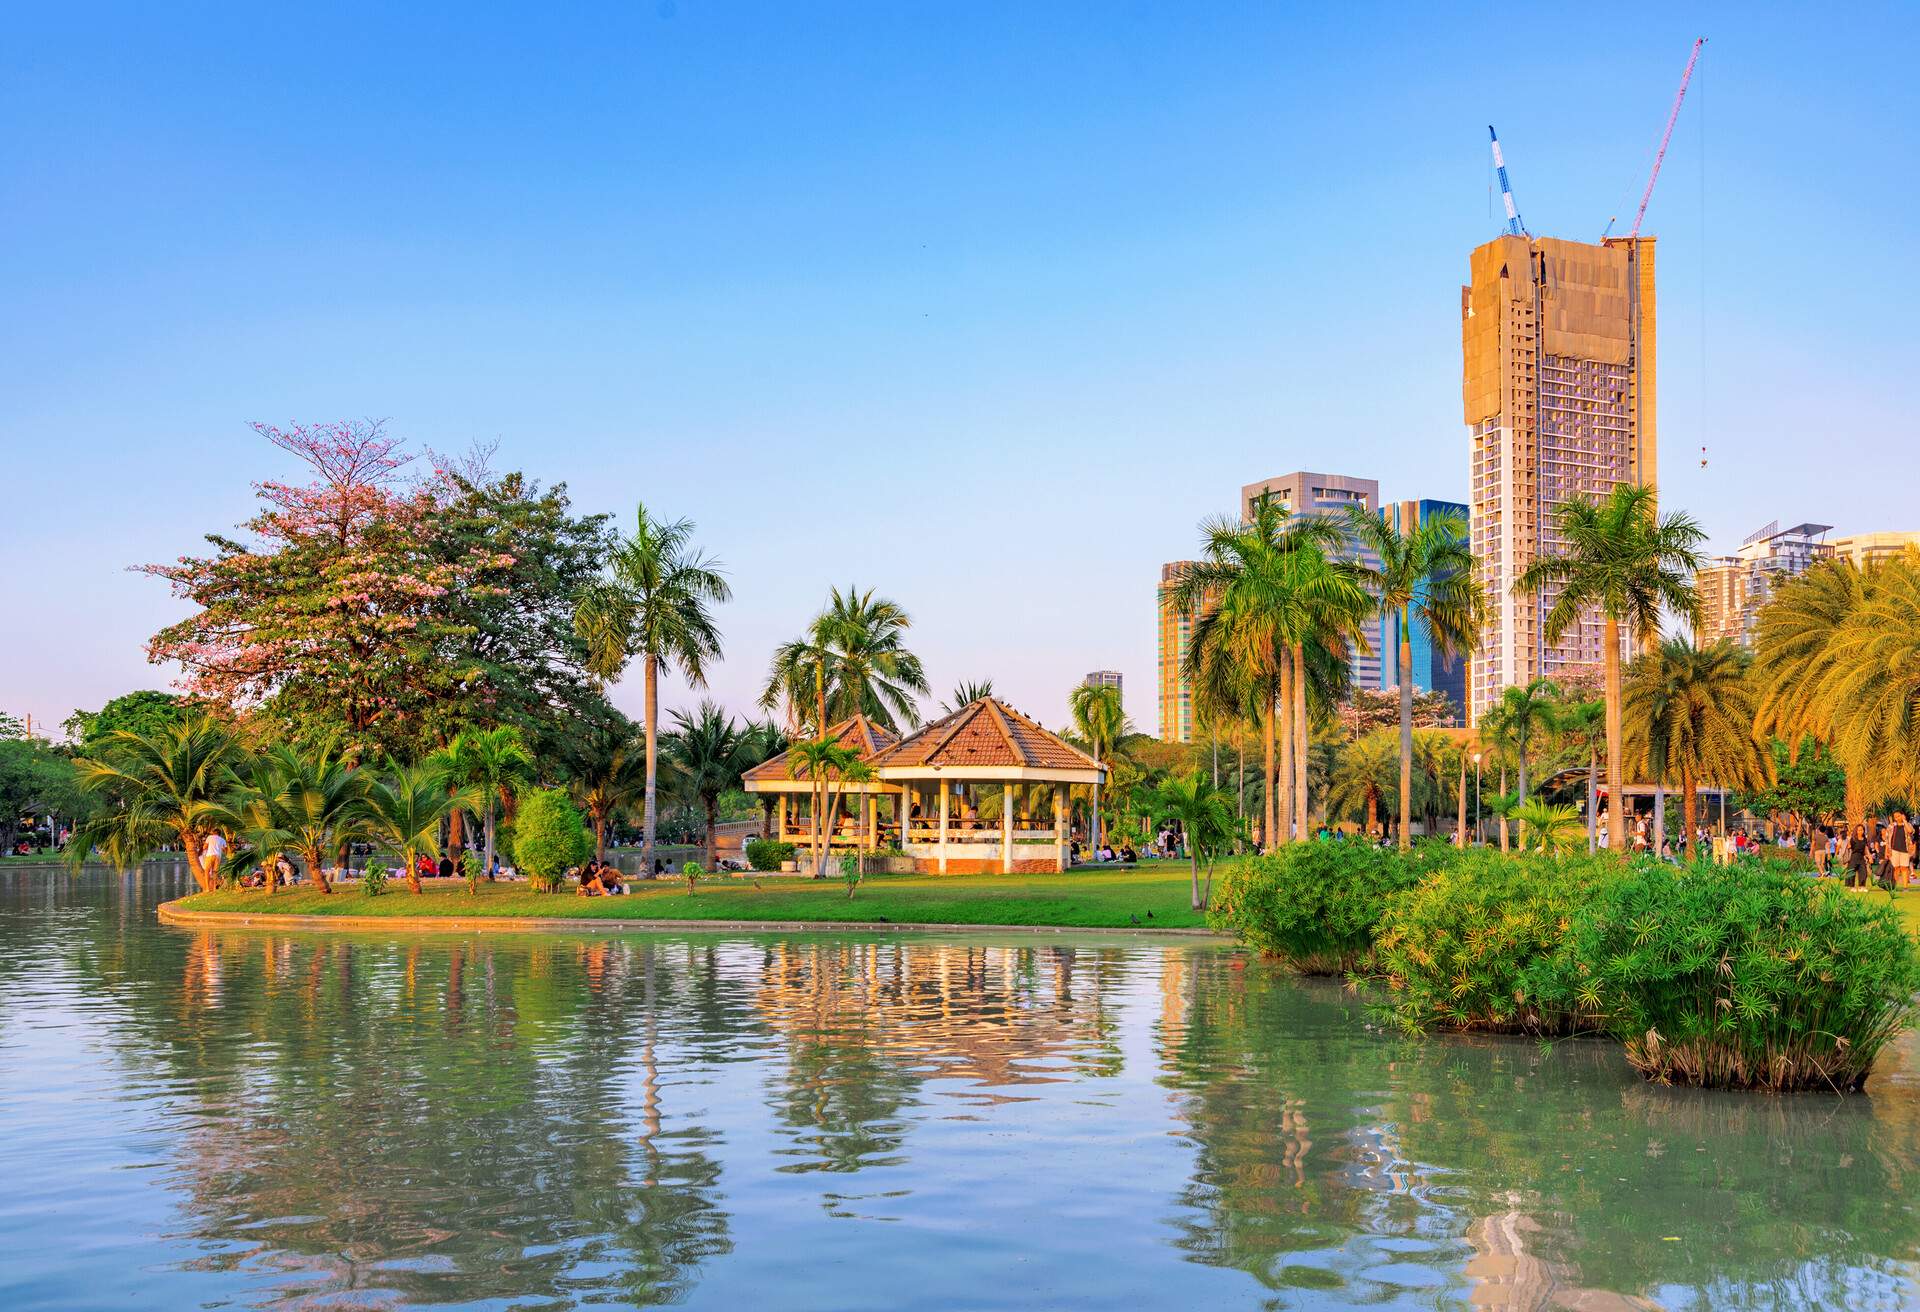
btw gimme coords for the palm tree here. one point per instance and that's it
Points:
(1264, 590)
(1098, 717)
(1583, 726)
(709, 753)
(494, 763)
(1554, 830)
(1628, 561)
(1521, 717)
(156, 787)
(609, 775)
(830, 767)
(1363, 777)
(1425, 575)
(319, 801)
(1689, 715)
(796, 676)
(870, 671)
(653, 603)
(1206, 820)
(253, 810)
(402, 811)
(1835, 662)
(966, 693)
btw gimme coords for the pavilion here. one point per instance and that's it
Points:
(984, 789)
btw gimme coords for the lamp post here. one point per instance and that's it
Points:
(1478, 837)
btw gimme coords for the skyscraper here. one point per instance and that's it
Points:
(1734, 588)
(1104, 679)
(1864, 549)
(1432, 670)
(1305, 493)
(1557, 388)
(1176, 627)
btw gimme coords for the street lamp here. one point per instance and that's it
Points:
(1478, 836)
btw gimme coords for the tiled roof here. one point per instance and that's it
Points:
(856, 731)
(987, 732)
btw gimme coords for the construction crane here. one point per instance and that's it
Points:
(1514, 226)
(1665, 137)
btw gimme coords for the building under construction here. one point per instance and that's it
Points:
(1558, 392)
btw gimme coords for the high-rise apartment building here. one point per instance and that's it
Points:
(1305, 493)
(1734, 588)
(1432, 670)
(1176, 628)
(1557, 388)
(1103, 679)
(1864, 549)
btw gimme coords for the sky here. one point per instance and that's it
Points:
(984, 306)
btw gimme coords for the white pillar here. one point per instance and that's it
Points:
(867, 818)
(1006, 829)
(1060, 835)
(780, 820)
(945, 793)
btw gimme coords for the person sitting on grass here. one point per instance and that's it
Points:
(589, 877)
(1127, 853)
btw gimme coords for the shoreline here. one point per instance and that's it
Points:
(171, 913)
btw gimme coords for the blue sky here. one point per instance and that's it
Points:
(981, 305)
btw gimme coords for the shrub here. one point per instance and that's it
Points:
(765, 854)
(373, 880)
(1466, 948)
(548, 838)
(691, 871)
(851, 870)
(1315, 905)
(1748, 976)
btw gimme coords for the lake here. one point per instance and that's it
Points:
(258, 1119)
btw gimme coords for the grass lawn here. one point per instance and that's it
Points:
(1153, 896)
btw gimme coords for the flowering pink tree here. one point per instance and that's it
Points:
(331, 620)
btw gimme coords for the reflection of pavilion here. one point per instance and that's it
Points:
(981, 790)
(987, 1015)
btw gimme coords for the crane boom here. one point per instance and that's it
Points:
(1514, 225)
(1667, 136)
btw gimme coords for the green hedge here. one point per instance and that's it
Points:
(1475, 944)
(1746, 976)
(1316, 905)
(766, 854)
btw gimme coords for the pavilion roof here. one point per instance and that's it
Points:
(988, 733)
(856, 731)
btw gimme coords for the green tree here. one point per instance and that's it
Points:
(829, 767)
(1264, 592)
(1627, 561)
(1523, 716)
(609, 767)
(154, 789)
(1365, 775)
(1689, 716)
(548, 838)
(402, 809)
(966, 693)
(319, 798)
(1582, 725)
(1551, 830)
(708, 752)
(1807, 784)
(870, 672)
(495, 764)
(1101, 719)
(1206, 822)
(654, 603)
(1425, 576)
(141, 712)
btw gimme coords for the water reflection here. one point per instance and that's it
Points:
(282, 1120)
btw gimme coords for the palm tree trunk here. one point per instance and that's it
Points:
(316, 871)
(1659, 816)
(1373, 810)
(1406, 736)
(413, 869)
(1689, 811)
(1460, 826)
(190, 846)
(1593, 797)
(712, 859)
(1616, 812)
(650, 816)
(600, 836)
(1214, 733)
(489, 834)
(1502, 817)
(1193, 859)
(1267, 827)
(1301, 806)
(456, 835)
(1282, 785)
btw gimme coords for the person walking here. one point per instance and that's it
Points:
(1900, 849)
(1858, 857)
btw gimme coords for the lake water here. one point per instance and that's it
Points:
(726, 1120)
